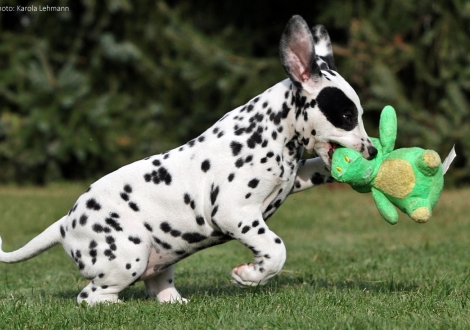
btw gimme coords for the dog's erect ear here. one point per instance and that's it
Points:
(323, 47)
(297, 53)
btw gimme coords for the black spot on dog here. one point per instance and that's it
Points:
(247, 195)
(125, 196)
(261, 231)
(187, 199)
(162, 175)
(101, 275)
(240, 131)
(285, 110)
(253, 183)
(93, 244)
(128, 266)
(109, 254)
(205, 165)
(92, 204)
(191, 143)
(278, 240)
(245, 229)
(110, 239)
(175, 233)
(148, 226)
(165, 227)
(127, 189)
(236, 147)
(254, 139)
(163, 244)
(83, 295)
(74, 222)
(200, 220)
(193, 237)
(255, 223)
(214, 210)
(201, 138)
(114, 224)
(214, 193)
(135, 240)
(239, 163)
(97, 228)
(134, 206)
(156, 162)
(317, 178)
(230, 177)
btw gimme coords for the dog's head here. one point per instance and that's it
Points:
(328, 110)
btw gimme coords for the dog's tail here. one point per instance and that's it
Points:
(45, 240)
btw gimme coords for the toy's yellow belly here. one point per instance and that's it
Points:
(395, 178)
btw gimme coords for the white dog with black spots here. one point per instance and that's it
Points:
(137, 222)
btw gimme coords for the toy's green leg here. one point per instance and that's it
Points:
(385, 207)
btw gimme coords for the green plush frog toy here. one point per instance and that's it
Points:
(409, 178)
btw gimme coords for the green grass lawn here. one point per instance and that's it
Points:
(346, 269)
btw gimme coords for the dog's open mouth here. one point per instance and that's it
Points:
(331, 149)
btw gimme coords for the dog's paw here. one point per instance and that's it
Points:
(171, 297)
(174, 300)
(247, 275)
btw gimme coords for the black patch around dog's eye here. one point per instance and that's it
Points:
(338, 109)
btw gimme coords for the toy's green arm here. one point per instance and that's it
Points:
(388, 129)
(385, 207)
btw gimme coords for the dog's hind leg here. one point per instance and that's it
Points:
(103, 288)
(312, 172)
(112, 273)
(162, 287)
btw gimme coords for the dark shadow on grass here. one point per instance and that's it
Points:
(278, 283)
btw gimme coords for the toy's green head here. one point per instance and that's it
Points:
(349, 166)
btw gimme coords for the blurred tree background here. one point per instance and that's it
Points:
(85, 91)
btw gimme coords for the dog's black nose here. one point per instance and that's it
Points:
(372, 152)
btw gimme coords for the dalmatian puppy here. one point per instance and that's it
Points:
(137, 222)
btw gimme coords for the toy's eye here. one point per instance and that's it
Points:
(339, 169)
(346, 158)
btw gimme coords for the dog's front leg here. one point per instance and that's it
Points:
(312, 172)
(268, 250)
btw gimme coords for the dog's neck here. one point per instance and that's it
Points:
(288, 114)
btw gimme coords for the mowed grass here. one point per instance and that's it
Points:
(346, 269)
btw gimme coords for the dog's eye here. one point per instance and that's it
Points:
(348, 116)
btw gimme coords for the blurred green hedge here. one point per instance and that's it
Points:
(86, 91)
